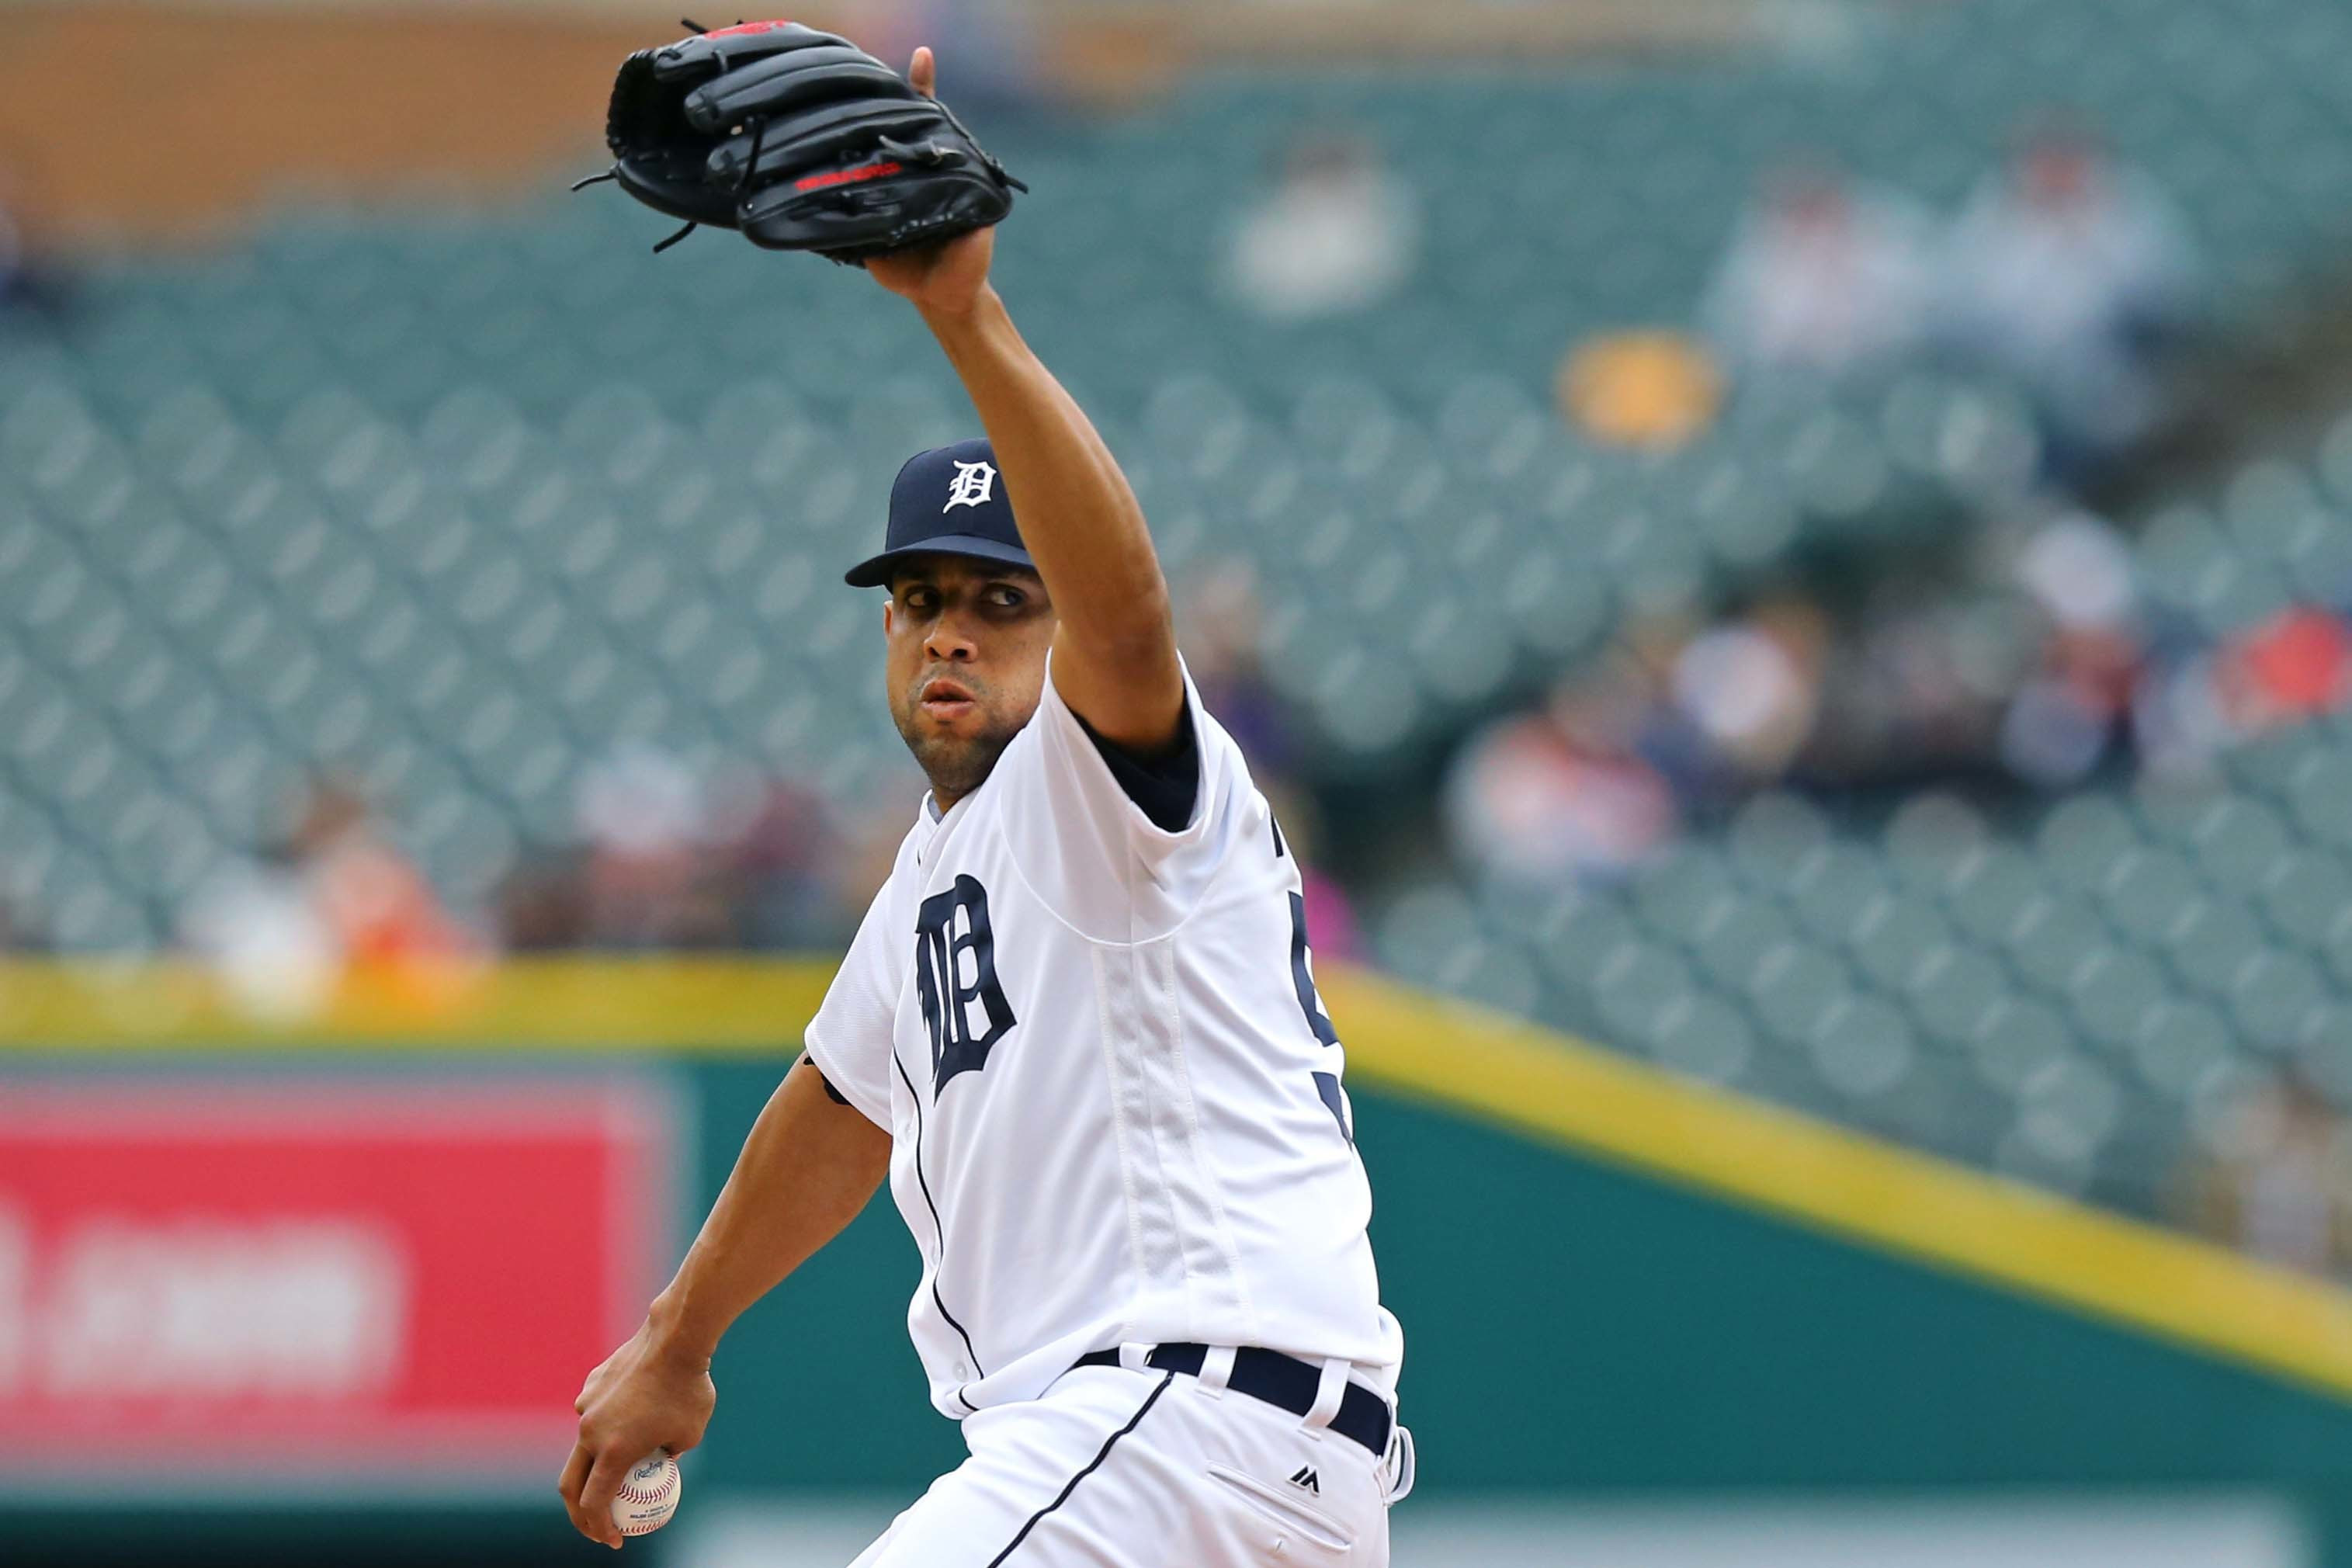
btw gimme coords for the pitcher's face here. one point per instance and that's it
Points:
(965, 663)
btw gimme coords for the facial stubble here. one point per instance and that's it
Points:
(955, 764)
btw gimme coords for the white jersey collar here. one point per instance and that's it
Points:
(934, 822)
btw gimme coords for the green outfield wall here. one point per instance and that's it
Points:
(1574, 1326)
(1580, 1322)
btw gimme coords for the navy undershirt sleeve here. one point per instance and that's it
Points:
(825, 1083)
(1164, 783)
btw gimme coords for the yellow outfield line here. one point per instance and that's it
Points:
(646, 1005)
(1855, 1187)
(1500, 1069)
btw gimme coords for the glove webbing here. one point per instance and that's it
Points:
(758, 130)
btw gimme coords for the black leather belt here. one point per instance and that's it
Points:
(1280, 1380)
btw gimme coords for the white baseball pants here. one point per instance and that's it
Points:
(1114, 1469)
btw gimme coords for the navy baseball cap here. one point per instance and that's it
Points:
(949, 501)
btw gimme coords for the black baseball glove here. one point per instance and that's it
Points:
(801, 139)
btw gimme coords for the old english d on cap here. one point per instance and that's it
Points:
(949, 501)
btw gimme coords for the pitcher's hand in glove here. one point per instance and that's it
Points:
(948, 275)
(800, 140)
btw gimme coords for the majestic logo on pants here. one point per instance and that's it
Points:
(955, 972)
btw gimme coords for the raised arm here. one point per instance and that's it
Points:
(809, 1165)
(1114, 645)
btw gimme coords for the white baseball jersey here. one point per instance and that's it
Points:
(1113, 1095)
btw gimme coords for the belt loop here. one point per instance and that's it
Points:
(1400, 1468)
(1136, 1357)
(1328, 1392)
(1216, 1371)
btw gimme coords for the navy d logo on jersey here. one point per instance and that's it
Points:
(955, 974)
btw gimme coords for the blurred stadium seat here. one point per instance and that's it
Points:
(485, 527)
(471, 500)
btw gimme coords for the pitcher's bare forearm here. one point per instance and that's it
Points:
(1115, 651)
(808, 1167)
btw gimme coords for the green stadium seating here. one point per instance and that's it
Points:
(468, 499)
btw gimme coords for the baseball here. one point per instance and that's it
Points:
(648, 1494)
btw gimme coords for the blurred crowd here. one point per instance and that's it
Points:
(1335, 231)
(660, 858)
(2016, 647)
(2068, 273)
(2275, 1182)
(2025, 658)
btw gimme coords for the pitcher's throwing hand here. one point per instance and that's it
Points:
(1079, 1029)
(644, 1398)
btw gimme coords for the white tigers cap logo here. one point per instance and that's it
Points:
(973, 484)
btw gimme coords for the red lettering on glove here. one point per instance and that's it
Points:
(745, 27)
(847, 177)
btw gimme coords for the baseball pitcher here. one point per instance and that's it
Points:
(1078, 1031)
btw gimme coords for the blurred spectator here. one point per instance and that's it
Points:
(377, 905)
(18, 931)
(2079, 570)
(1657, 390)
(646, 879)
(988, 51)
(1915, 680)
(2061, 723)
(869, 846)
(29, 281)
(1822, 275)
(540, 906)
(2278, 1183)
(2075, 276)
(2178, 723)
(2063, 720)
(1563, 792)
(2197, 700)
(1221, 634)
(336, 899)
(664, 862)
(2293, 666)
(1338, 232)
(1751, 688)
(1332, 928)
(779, 877)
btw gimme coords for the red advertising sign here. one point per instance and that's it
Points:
(366, 1277)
